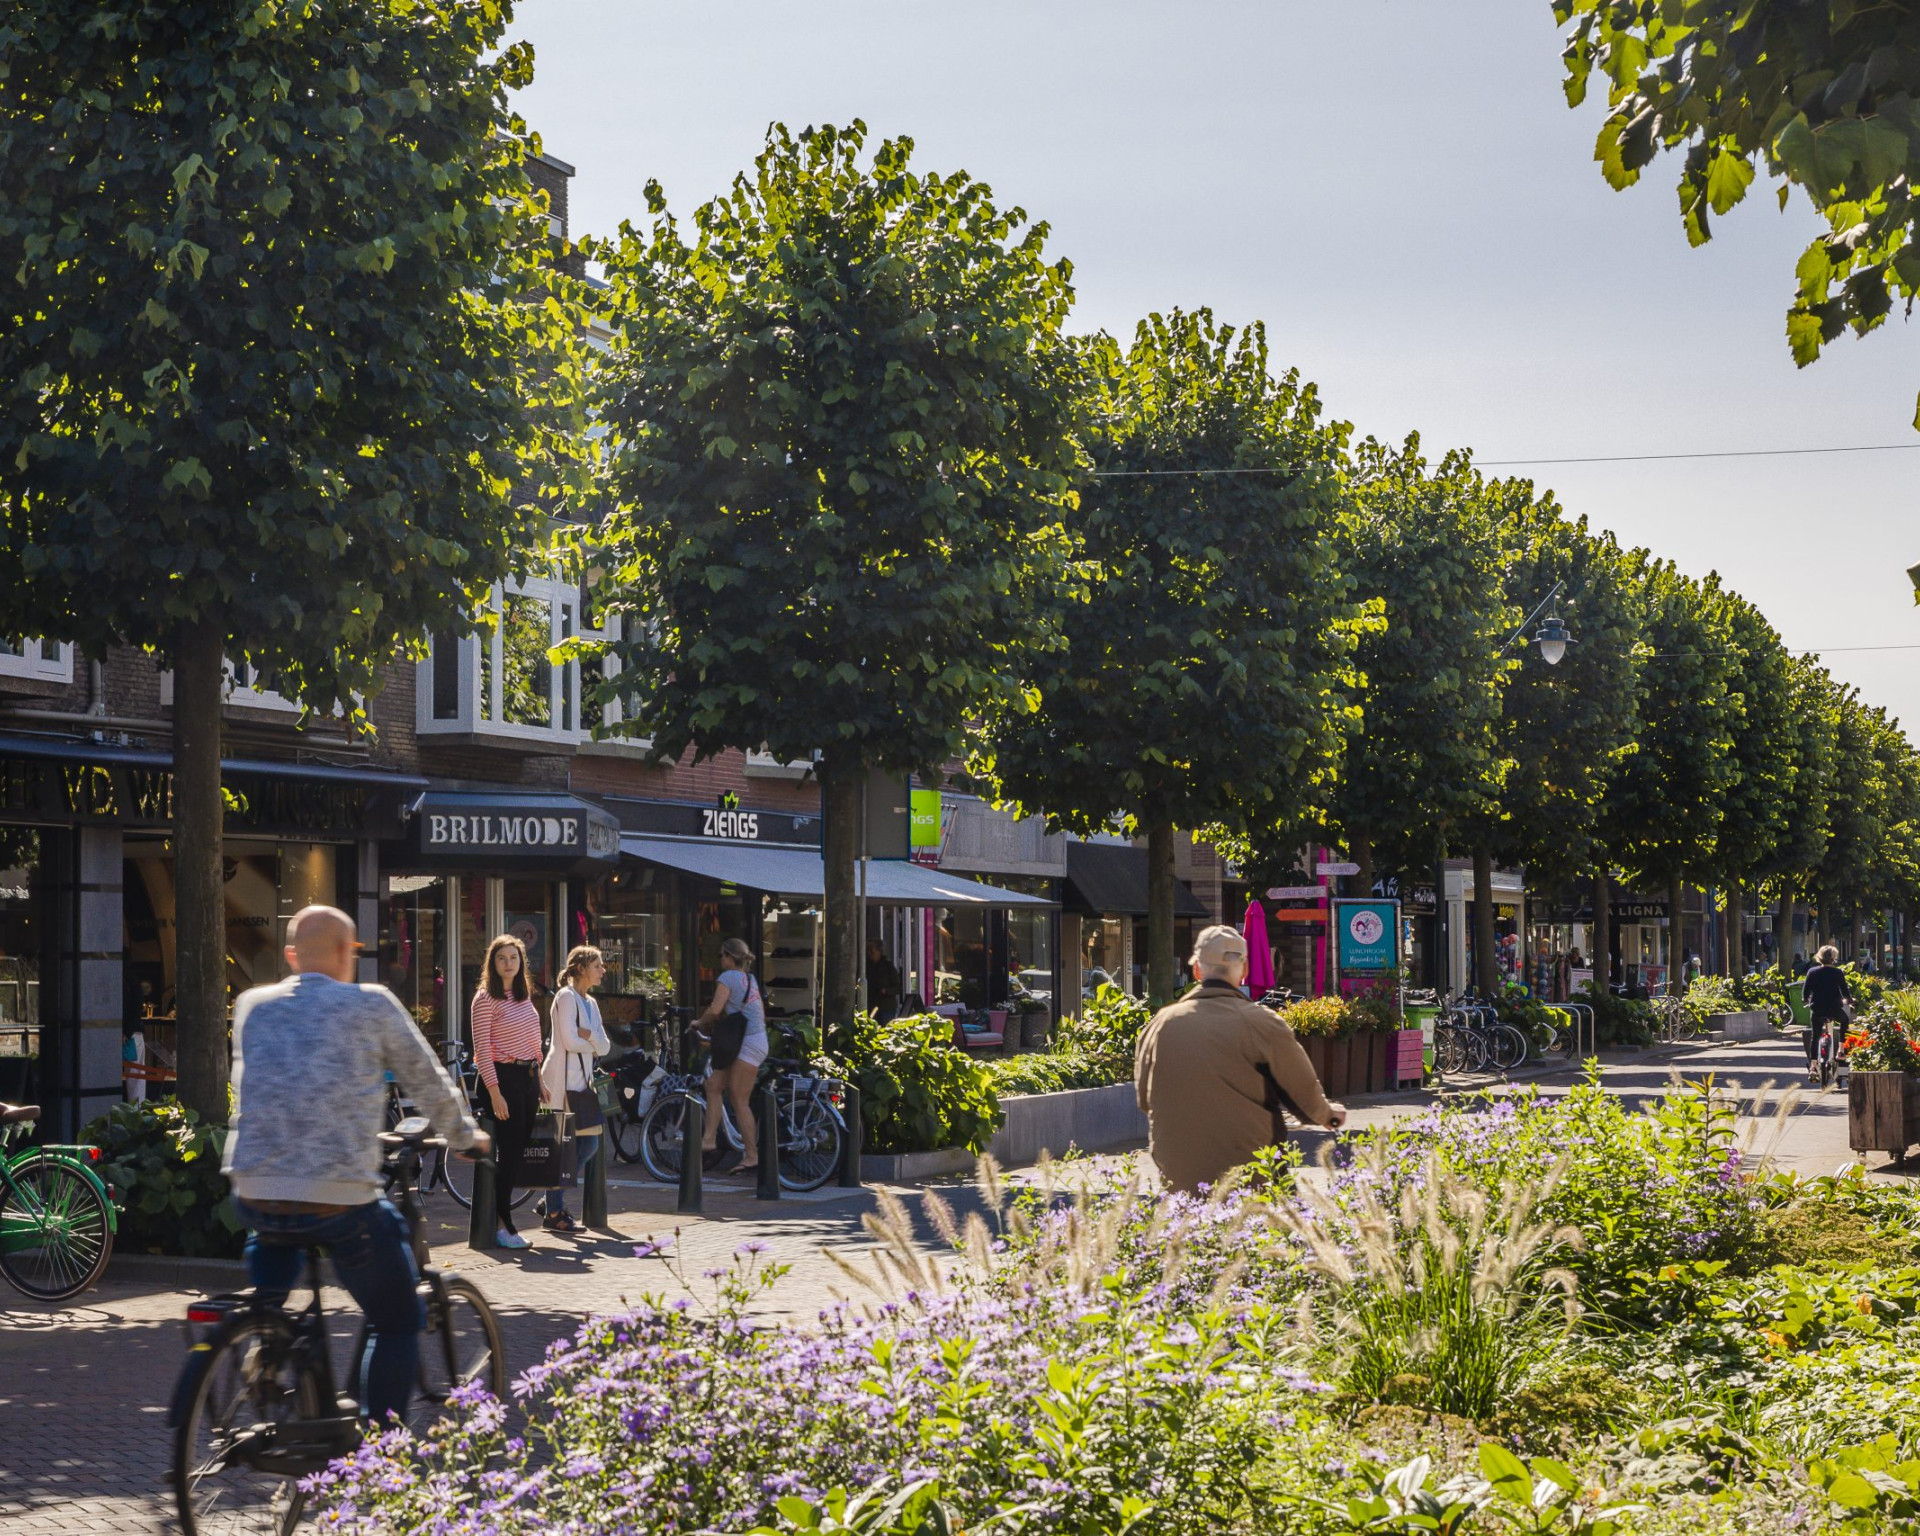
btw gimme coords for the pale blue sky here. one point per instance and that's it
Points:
(1395, 186)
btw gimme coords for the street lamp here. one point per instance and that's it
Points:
(1552, 637)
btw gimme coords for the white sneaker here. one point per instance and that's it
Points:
(508, 1239)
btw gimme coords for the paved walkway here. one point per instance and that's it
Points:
(83, 1387)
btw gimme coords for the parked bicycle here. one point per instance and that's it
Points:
(256, 1408)
(632, 1083)
(447, 1170)
(1470, 1036)
(807, 1107)
(57, 1219)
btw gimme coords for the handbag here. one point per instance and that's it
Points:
(584, 1105)
(546, 1162)
(730, 1032)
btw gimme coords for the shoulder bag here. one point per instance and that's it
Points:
(730, 1031)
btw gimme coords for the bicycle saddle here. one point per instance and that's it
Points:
(18, 1114)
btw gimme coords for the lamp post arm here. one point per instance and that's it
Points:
(1521, 632)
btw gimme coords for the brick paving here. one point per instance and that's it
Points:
(83, 1387)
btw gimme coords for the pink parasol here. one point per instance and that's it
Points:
(1259, 950)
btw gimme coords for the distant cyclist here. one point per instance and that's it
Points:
(311, 1056)
(1825, 991)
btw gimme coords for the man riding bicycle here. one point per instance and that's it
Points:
(1825, 992)
(311, 1056)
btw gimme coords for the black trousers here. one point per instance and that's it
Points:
(520, 1087)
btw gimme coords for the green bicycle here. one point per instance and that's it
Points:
(57, 1219)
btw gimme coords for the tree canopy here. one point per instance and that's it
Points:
(1205, 675)
(1825, 96)
(840, 440)
(277, 300)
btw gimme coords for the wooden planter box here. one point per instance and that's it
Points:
(1317, 1056)
(1883, 1112)
(1382, 1059)
(1337, 1079)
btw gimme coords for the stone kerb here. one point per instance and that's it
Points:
(1092, 1119)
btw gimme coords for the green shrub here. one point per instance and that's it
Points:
(1322, 1017)
(1618, 1020)
(917, 1092)
(1091, 1050)
(163, 1161)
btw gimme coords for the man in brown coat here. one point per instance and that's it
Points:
(1214, 1070)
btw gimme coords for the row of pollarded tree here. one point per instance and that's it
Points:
(857, 490)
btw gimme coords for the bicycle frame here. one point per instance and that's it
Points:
(14, 1235)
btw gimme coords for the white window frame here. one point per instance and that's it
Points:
(245, 694)
(762, 764)
(39, 661)
(475, 717)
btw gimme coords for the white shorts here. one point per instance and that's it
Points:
(753, 1050)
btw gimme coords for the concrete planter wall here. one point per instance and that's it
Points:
(1741, 1026)
(1092, 1119)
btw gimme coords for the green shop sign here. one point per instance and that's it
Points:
(1368, 935)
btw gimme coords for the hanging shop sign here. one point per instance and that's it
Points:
(1416, 898)
(925, 827)
(1367, 935)
(468, 830)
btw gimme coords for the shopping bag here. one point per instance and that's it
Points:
(547, 1161)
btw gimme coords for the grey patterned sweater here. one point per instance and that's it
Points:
(310, 1059)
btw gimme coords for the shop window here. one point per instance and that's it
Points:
(527, 913)
(21, 940)
(961, 974)
(413, 949)
(630, 917)
(42, 661)
(1104, 960)
(764, 765)
(246, 685)
(1030, 953)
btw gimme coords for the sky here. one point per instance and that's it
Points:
(1396, 187)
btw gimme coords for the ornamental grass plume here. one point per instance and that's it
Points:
(1439, 1297)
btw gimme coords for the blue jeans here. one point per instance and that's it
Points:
(374, 1263)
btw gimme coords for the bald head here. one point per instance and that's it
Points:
(320, 939)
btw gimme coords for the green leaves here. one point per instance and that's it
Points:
(187, 334)
(1824, 94)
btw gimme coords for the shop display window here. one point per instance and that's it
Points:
(790, 966)
(22, 938)
(1103, 957)
(1030, 957)
(413, 949)
(527, 912)
(631, 918)
(962, 973)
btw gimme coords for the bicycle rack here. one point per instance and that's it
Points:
(1583, 1016)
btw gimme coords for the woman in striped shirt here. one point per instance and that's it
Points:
(506, 1051)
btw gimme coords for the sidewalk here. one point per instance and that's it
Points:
(83, 1388)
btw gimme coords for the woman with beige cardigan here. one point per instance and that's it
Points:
(566, 1076)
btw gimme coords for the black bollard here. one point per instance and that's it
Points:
(766, 1122)
(593, 1196)
(483, 1222)
(856, 1133)
(693, 1129)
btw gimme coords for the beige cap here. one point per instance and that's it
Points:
(1219, 945)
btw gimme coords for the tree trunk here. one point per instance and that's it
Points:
(840, 807)
(200, 933)
(1163, 966)
(1677, 930)
(1486, 970)
(1602, 956)
(1736, 945)
(1363, 856)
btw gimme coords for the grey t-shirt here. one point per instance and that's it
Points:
(748, 1001)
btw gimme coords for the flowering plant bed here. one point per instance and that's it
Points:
(1557, 1317)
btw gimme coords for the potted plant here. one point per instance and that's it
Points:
(1883, 1092)
(1316, 1020)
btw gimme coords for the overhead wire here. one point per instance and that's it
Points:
(1603, 458)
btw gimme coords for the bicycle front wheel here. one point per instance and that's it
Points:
(1509, 1047)
(245, 1383)
(810, 1154)
(56, 1230)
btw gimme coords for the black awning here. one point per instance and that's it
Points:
(1110, 879)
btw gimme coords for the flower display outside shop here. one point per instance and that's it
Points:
(1512, 1315)
(1886, 1037)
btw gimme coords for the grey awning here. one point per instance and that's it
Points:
(1110, 879)
(801, 872)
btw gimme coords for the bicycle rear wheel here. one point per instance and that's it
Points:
(457, 1173)
(461, 1346)
(243, 1384)
(660, 1135)
(810, 1153)
(56, 1231)
(1507, 1046)
(623, 1131)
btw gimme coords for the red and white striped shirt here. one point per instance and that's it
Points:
(504, 1029)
